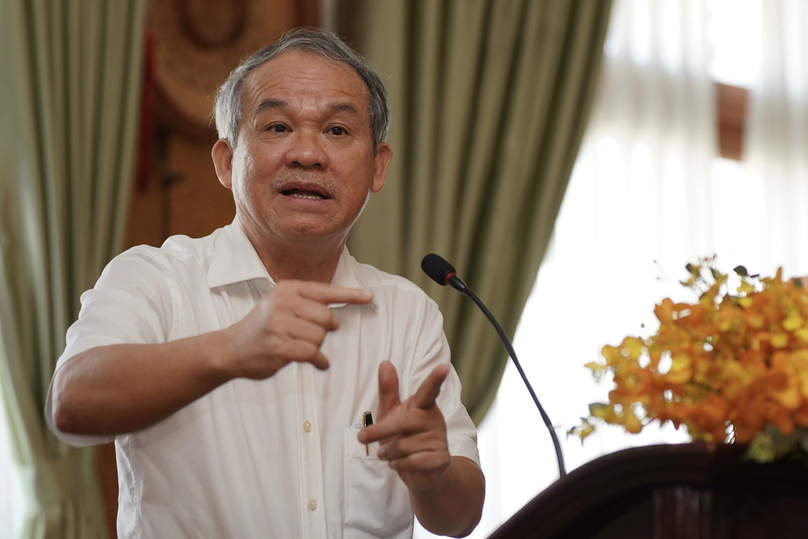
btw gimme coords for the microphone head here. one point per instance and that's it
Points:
(438, 269)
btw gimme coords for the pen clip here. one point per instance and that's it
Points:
(367, 420)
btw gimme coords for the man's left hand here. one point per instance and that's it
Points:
(412, 433)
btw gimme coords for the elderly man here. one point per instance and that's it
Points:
(236, 372)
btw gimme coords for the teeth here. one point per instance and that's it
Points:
(310, 197)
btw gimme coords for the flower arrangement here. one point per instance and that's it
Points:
(731, 367)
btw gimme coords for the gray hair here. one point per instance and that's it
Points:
(228, 103)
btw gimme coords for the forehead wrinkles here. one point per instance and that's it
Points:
(305, 80)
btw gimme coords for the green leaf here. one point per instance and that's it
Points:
(740, 270)
(761, 449)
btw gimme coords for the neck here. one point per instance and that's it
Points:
(302, 260)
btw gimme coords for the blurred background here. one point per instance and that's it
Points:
(568, 156)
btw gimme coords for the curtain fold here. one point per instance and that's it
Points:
(489, 103)
(71, 72)
(638, 207)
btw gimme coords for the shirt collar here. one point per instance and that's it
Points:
(348, 275)
(235, 260)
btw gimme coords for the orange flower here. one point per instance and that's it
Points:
(781, 417)
(724, 363)
(801, 415)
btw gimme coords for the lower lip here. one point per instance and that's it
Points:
(307, 202)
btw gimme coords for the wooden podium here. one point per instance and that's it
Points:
(687, 491)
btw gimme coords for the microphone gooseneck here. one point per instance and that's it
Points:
(443, 273)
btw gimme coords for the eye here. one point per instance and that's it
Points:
(277, 128)
(337, 130)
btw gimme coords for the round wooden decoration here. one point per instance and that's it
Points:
(197, 43)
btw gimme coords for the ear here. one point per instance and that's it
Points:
(222, 155)
(381, 162)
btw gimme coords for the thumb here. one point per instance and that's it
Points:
(388, 389)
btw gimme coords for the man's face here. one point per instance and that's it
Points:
(303, 167)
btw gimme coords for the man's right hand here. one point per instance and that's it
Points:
(289, 324)
(94, 392)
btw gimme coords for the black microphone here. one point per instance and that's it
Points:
(443, 273)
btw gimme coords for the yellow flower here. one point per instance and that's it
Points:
(603, 411)
(779, 340)
(634, 347)
(756, 321)
(585, 429)
(630, 421)
(793, 322)
(745, 288)
(722, 361)
(681, 369)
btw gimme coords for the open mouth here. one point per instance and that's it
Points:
(301, 193)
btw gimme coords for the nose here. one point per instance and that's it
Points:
(307, 151)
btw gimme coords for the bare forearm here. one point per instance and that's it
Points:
(123, 388)
(453, 507)
(127, 387)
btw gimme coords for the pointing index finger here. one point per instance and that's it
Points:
(326, 293)
(429, 389)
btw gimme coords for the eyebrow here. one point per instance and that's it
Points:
(271, 104)
(268, 104)
(343, 107)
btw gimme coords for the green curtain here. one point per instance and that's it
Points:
(70, 79)
(490, 100)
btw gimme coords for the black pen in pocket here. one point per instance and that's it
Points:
(367, 420)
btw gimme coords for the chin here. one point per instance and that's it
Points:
(314, 235)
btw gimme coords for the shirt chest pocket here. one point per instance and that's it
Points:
(377, 502)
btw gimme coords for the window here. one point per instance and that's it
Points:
(654, 187)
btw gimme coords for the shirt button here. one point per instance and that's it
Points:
(312, 504)
(307, 428)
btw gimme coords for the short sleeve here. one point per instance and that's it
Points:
(432, 350)
(132, 303)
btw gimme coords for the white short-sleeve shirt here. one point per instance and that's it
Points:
(271, 458)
